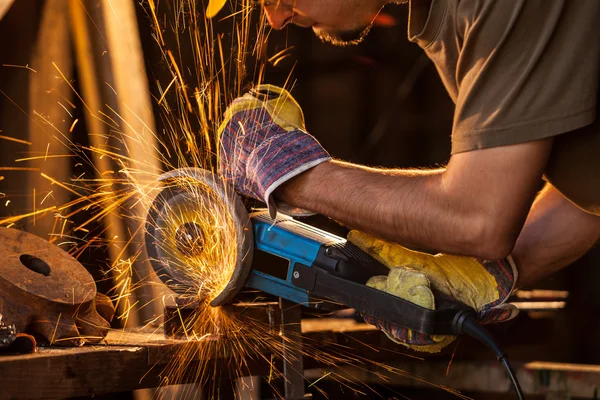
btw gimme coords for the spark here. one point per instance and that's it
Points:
(34, 206)
(20, 66)
(73, 125)
(55, 328)
(65, 108)
(62, 185)
(280, 56)
(180, 77)
(71, 86)
(216, 74)
(45, 157)
(324, 376)
(111, 88)
(18, 169)
(167, 90)
(15, 140)
(11, 220)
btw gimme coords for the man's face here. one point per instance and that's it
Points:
(340, 22)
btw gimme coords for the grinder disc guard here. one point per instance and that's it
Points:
(199, 236)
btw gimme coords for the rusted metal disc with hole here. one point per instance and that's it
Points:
(43, 290)
(38, 268)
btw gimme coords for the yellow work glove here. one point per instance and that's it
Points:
(263, 144)
(482, 285)
(213, 8)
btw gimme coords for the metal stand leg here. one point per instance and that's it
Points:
(293, 362)
(248, 388)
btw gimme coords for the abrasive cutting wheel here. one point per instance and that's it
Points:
(199, 236)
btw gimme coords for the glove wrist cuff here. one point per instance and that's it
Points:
(515, 271)
(280, 159)
(275, 205)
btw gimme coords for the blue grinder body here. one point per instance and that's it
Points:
(284, 248)
(317, 269)
(285, 242)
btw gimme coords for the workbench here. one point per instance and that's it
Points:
(136, 359)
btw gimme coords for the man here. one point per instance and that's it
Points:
(524, 78)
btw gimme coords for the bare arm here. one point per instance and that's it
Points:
(555, 234)
(476, 206)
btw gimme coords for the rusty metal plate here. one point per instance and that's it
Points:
(45, 291)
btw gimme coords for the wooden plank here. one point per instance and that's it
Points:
(75, 372)
(559, 380)
(137, 126)
(20, 24)
(49, 123)
(136, 359)
(83, 32)
(128, 364)
(128, 361)
(113, 82)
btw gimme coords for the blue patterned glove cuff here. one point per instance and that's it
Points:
(278, 160)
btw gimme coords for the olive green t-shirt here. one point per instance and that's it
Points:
(521, 70)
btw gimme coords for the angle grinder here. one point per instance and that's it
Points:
(205, 245)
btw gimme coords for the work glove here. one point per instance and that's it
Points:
(482, 285)
(264, 143)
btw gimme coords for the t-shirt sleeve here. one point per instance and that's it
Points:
(526, 70)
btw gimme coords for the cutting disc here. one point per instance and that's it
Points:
(199, 236)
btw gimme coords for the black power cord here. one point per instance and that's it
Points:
(466, 323)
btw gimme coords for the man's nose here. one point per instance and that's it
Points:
(278, 15)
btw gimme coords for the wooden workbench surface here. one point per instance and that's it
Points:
(121, 364)
(127, 360)
(135, 360)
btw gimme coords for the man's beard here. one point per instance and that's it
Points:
(345, 38)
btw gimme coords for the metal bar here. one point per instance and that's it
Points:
(46, 100)
(293, 362)
(248, 388)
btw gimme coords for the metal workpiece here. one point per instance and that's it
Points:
(46, 292)
(12, 342)
(8, 334)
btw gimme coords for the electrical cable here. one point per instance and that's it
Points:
(513, 378)
(467, 324)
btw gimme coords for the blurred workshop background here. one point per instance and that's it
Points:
(380, 103)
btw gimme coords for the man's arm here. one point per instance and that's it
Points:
(555, 234)
(476, 206)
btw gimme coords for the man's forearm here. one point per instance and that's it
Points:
(476, 206)
(368, 199)
(409, 207)
(555, 234)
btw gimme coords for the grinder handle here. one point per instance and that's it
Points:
(320, 284)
